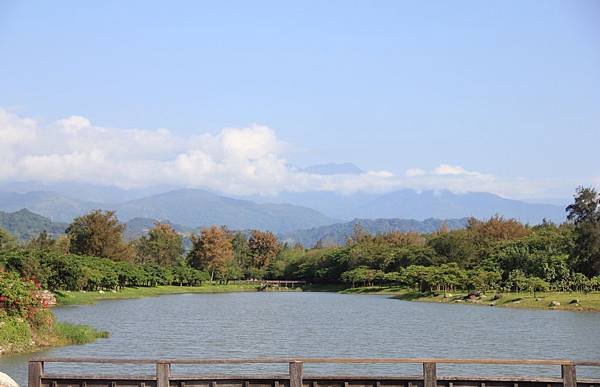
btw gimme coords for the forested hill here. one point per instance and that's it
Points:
(24, 224)
(338, 234)
(191, 208)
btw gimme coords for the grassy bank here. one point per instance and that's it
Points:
(18, 335)
(76, 298)
(572, 301)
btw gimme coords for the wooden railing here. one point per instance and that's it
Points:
(296, 377)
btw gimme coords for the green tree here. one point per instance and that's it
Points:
(454, 246)
(484, 280)
(42, 242)
(241, 252)
(585, 214)
(517, 280)
(162, 245)
(99, 234)
(536, 284)
(6, 239)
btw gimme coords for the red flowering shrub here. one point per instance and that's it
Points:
(16, 296)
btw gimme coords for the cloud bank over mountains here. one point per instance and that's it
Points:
(237, 161)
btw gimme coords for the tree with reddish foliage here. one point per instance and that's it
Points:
(264, 247)
(211, 250)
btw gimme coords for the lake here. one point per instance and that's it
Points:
(246, 325)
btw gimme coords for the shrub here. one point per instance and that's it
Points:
(15, 333)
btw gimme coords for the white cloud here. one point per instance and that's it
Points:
(413, 172)
(246, 160)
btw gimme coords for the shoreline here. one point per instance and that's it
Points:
(567, 301)
(30, 339)
(67, 298)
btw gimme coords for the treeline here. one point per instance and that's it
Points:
(93, 255)
(498, 254)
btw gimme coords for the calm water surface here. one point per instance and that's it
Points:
(245, 325)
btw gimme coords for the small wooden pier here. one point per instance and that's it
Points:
(163, 377)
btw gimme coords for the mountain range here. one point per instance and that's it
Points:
(188, 207)
(283, 213)
(338, 234)
(421, 205)
(24, 225)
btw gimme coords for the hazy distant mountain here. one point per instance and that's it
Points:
(58, 208)
(334, 169)
(188, 207)
(285, 212)
(445, 204)
(84, 191)
(195, 207)
(337, 234)
(24, 224)
(410, 204)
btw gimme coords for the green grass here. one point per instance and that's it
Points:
(73, 298)
(588, 302)
(15, 335)
(77, 333)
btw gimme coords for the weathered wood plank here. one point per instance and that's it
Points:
(36, 368)
(429, 375)
(296, 370)
(326, 360)
(163, 374)
(569, 376)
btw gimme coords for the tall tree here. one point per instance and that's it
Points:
(264, 247)
(99, 234)
(241, 252)
(162, 245)
(211, 250)
(6, 239)
(585, 214)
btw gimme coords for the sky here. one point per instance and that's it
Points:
(239, 96)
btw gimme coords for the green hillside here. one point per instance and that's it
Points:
(25, 224)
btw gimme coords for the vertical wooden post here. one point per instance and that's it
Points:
(569, 375)
(296, 368)
(163, 373)
(36, 368)
(429, 375)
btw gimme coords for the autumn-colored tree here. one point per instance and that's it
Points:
(402, 239)
(162, 245)
(211, 250)
(264, 247)
(497, 228)
(99, 234)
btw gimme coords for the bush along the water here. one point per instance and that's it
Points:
(26, 323)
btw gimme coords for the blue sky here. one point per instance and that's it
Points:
(507, 90)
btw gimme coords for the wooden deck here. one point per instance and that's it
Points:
(296, 377)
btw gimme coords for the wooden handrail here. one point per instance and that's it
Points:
(163, 366)
(323, 360)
